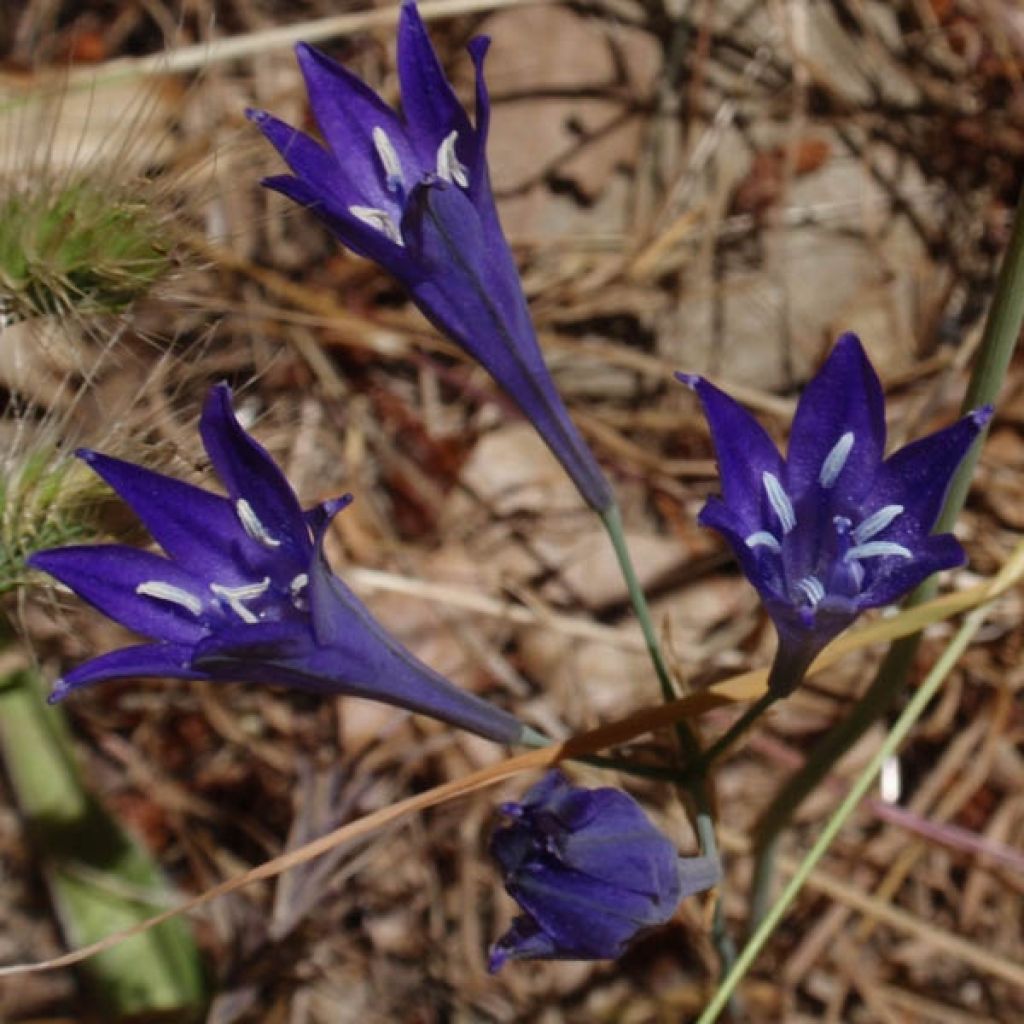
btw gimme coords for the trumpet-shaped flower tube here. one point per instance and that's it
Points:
(412, 193)
(244, 592)
(835, 527)
(590, 871)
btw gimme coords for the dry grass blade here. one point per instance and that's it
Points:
(743, 687)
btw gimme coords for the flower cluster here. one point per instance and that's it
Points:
(411, 192)
(835, 527)
(245, 592)
(590, 870)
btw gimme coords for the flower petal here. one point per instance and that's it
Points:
(431, 108)
(840, 417)
(919, 475)
(170, 661)
(347, 111)
(357, 656)
(900, 575)
(524, 940)
(476, 299)
(328, 179)
(196, 528)
(586, 918)
(360, 237)
(756, 562)
(621, 846)
(263, 500)
(476, 158)
(744, 451)
(109, 576)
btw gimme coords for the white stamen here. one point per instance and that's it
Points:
(234, 596)
(449, 166)
(877, 549)
(876, 523)
(835, 460)
(252, 525)
(295, 588)
(762, 538)
(780, 502)
(388, 158)
(168, 592)
(813, 589)
(378, 219)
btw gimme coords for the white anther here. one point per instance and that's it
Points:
(388, 158)
(234, 596)
(449, 166)
(813, 589)
(295, 588)
(877, 549)
(763, 539)
(378, 219)
(876, 523)
(252, 525)
(170, 593)
(780, 502)
(835, 460)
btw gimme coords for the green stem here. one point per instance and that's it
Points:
(689, 743)
(898, 733)
(1002, 330)
(612, 520)
(731, 735)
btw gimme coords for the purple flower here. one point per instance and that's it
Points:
(835, 527)
(590, 870)
(412, 193)
(245, 592)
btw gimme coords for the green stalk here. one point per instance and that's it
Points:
(1002, 330)
(914, 709)
(99, 878)
(688, 742)
(731, 735)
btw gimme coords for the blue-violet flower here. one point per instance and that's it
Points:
(245, 592)
(835, 527)
(412, 193)
(590, 870)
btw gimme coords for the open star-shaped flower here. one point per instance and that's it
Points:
(835, 527)
(412, 193)
(590, 870)
(244, 592)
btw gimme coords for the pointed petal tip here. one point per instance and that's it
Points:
(37, 560)
(60, 690)
(410, 10)
(691, 380)
(335, 505)
(477, 48)
(308, 55)
(88, 455)
(256, 115)
(220, 394)
(980, 417)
